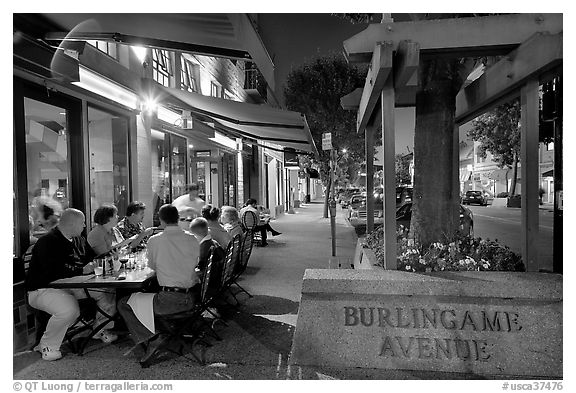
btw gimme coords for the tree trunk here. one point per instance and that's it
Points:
(435, 202)
(514, 175)
(308, 194)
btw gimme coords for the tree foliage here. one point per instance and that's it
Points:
(498, 132)
(403, 169)
(315, 89)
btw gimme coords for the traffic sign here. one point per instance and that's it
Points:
(327, 141)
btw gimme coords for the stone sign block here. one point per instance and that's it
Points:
(485, 323)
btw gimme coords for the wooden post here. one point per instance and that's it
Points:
(389, 172)
(529, 160)
(456, 171)
(558, 183)
(369, 146)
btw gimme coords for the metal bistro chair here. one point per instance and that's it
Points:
(245, 251)
(249, 222)
(230, 264)
(231, 261)
(182, 326)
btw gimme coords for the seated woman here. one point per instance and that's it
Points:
(105, 237)
(218, 233)
(131, 224)
(230, 220)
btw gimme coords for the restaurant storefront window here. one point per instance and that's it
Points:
(200, 173)
(178, 165)
(47, 164)
(229, 179)
(108, 147)
(168, 169)
(47, 160)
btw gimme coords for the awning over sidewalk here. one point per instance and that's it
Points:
(285, 128)
(221, 35)
(465, 175)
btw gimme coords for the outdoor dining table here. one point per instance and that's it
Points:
(135, 280)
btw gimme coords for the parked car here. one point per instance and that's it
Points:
(477, 197)
(403, 195)
(355, 201)
(404, 215)
(357, 213)
(347, 195)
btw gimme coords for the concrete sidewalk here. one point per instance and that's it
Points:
(257, 342)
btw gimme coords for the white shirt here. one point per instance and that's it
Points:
(173, 254)
(252, 209)
(183, 203)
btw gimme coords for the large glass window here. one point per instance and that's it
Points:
(106, 47)
(160, 173)
(108, 147)
(178, 165)
(188, 73)
(229, 179)
(215, 89)
(168, 169)
(47, 164)
(200, 173)
(161, 66)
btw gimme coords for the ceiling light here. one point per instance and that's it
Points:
(140, 53)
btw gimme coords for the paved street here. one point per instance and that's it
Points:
(504, 224)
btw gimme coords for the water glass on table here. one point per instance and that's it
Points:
(99, 267)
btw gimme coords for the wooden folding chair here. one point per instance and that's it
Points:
(182, 326)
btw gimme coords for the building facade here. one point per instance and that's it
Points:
(484, 174)
(87, 131)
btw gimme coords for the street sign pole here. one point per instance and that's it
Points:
(332, 202)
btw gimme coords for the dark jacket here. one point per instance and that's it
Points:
(217, 262)
(55, 257)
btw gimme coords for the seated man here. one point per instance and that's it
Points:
(263, 225)
(131, 225)
(62, 253)
(173, 254)
(200, 228)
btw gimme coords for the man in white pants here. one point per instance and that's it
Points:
(59, 254)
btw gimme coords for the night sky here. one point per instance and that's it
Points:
(295, 39)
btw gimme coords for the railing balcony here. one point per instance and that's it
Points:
(255, 81)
